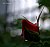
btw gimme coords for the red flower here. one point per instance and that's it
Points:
(29, 26)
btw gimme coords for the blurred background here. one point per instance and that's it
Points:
(12, 12)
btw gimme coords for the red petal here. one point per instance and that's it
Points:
(29, 26)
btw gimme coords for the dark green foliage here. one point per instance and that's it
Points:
(45, 3)
(18, 23)
(7, 41)
(31, 36)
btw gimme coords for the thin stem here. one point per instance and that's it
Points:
(25, 18)
(39, 17)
